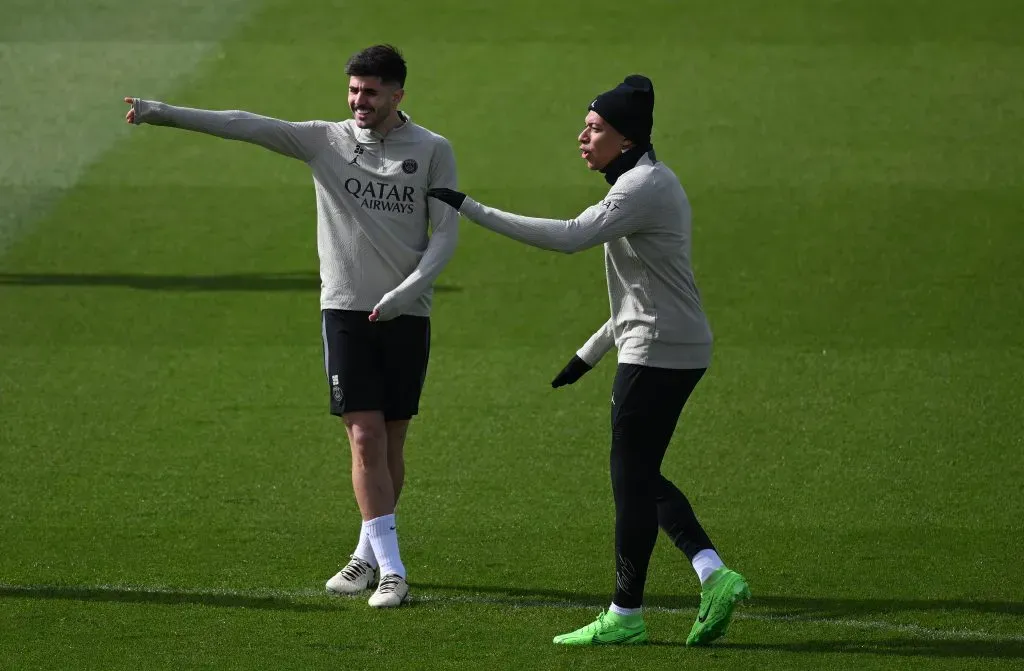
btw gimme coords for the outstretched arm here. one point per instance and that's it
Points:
(298, 140)
(614, 217)
(444, 238)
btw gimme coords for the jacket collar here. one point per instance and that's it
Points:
(626, 161)
(368, 135)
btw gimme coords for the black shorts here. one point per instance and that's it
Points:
(375, 365)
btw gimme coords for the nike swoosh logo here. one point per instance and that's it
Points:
(701, 617)
(621, 639)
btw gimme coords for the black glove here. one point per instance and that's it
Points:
(573, 371)
(453, 198)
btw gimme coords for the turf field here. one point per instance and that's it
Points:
(173, 493)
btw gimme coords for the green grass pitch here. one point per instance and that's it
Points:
(173, 493)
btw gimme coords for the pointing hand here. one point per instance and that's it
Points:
(130, 117)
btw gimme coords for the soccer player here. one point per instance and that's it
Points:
(664, 347)
(382, 244)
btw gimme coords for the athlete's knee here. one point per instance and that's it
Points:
(368, 439)
(664, 488)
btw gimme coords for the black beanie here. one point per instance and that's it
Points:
(629, 108)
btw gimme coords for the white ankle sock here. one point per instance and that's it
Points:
(364, 550)
(384, 540)
(624, 612)
(705, 563)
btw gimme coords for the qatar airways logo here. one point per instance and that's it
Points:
(382, 196)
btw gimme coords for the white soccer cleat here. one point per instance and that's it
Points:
(354, 578)
(391, 592)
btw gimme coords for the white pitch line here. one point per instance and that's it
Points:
(919, 631)
(930, 633)
(913, 629)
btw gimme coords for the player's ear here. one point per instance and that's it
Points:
(397, 96)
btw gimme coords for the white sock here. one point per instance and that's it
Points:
(705, 563)
(384, 540)
(624, 612)
(364, 550)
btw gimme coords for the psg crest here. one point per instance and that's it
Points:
(409, 166)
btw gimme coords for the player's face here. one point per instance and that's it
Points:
(599, 142)
(371, 100)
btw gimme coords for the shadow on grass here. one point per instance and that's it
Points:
(929, 643)
(164, 597)
(229, 282)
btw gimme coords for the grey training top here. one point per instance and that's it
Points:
(644, 223)
(372, 210)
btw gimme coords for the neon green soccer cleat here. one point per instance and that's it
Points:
(723, 590)
(607, 629)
